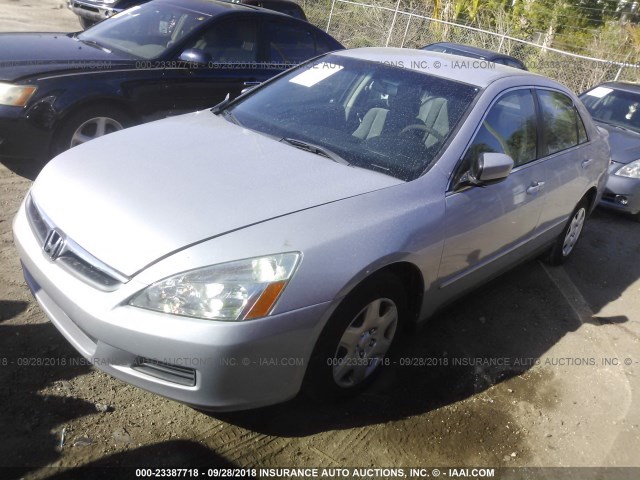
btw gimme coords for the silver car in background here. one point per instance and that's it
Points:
(230, 258)
(615, 106)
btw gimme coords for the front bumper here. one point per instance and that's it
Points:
(92, 11)
(207, 364)
(21, 137)
(621, 193)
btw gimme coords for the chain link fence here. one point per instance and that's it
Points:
(385, 23)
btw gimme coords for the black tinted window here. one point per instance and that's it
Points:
(232, 41)
(561, 122)
(509, 127)
(290, 43)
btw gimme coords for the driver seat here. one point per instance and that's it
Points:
(403, 111)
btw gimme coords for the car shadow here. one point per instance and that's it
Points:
(163, 456)
(24, 167)
(10, 309)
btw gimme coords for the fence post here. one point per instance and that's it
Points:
(501, 42)
(393, 22)
(406, 30)
(333, 4)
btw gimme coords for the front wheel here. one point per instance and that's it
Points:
(87, 124)
(567, 240)
(355, 344)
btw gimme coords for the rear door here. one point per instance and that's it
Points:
(566, 161)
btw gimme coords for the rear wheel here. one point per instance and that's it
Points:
(567, 240)
(356, 342)
(89, 123)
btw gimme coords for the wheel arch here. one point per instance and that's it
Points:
(409, 275)
(591, 197)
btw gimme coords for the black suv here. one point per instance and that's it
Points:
(90, 12)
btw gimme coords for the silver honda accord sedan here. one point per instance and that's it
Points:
(232, 257)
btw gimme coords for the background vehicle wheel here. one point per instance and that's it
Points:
(357, 339)
(89, 123)
(567, 240)
(86, 23)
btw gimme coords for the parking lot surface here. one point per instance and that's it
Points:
(537, 368)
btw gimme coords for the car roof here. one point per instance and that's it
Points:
(424, 60)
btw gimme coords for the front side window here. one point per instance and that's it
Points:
(375, 116)
(562, 127)
(510, 128)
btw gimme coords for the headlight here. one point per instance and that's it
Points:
(232, 291)
(15, 95)
(631, 170)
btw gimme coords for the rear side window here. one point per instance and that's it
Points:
(323, 45)
(509, 127)
(290, 43)
(562, 127)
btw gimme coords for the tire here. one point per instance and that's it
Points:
(566, 241)
(87, 124)
(86, 23)
(357, 339)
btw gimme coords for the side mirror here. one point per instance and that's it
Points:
(487, 169)
(492, 167)
(195, 55)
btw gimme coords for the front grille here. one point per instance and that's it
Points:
(165, 371)
(71, 256)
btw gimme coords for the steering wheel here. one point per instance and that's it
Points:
(424, 128)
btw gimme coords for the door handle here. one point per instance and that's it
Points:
(586, 163)
(535, 188)
(251, 84)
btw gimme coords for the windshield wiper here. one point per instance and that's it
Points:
(222, 105)
(92, 43)
(318, 150)
(221, 108)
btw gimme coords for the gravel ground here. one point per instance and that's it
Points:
(566, 394)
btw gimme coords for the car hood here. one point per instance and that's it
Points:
(135, 196)
(625, 144)
(26, 54)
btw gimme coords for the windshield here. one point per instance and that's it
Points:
(616, 107)
(145, 31)
(371, 115)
